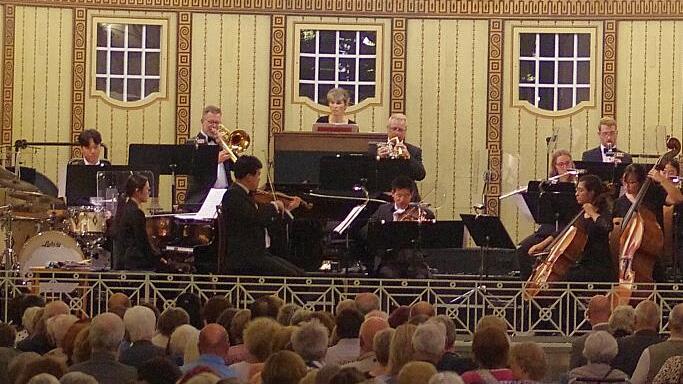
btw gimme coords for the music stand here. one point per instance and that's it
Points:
(343, 172)
(551, 203)
(82, 182)
(413, 234)
(487, 232)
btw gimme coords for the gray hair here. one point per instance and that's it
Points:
(446, 378)
(310, 340)
(622, 318)
(430, 338)
(647, 314)
(106, 332)
(285, 313)
(140, 323)
(676, 318)
(450, 328)
(30, 318)
(181, 337)
(57, 326)
(43, 378)
(381, 344)
(77, 378)
(600, 347)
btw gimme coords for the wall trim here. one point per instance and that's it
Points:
(80, 27)
(397, 93)
(278, 44)
(494, 117)
(183, 89)
(8, 77)
(609, 68)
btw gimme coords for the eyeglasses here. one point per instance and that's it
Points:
(563, 163)
(608, 133)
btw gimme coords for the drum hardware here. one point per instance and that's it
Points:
(48, 247)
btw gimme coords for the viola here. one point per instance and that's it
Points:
(264, 197)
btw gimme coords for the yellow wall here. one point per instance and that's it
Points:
(445, 104)
(42, 84)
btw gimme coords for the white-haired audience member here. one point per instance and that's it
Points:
(599, 350)
(347, 348)
(77, 378)
(654, 356)
(43, 378)
(367, 360)
(310, 342)
(367, 302)
(181, 337)
(140, 323)
(446, 378)
(646, 326)
(105, 335)
(528, 362)
(57, 326)
(429, 341)
(621, 321)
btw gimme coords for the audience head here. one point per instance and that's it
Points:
(367, 302)
(30, 318)
(118, 303)
(345, 304)
(446, 378)
(490, 347)
(381, 344)
(416, 372)
(266, 306)
(676, 320)
(239, 322)
(82, 348)
(57, 326)
(422, 308)
(43, 378)
(283, 367)
(40, 365)
(528, 361)
(214, 307)
(368, 330)
(106, 333)
(326, 373)
(300, 315)
(599, 310)
(450, 330)
(310, 340)
(326, 319)
(55, 308)
(181, 337)
(347, 375)
(377, 313)
(429, 341)
(283, 338)
(140, 323)
(399, 316)
(401, 349)
(491, 321)
(191, 348)
(159, 370)
(213, 340)
(19, 304)
(225, 319)
(622, 320)
(69, 339)
(18, 364)
(284, 315)
(192, 305)
(348, 323)
(646, 316)
(77, 378)
(7, 335)
(600, 347)
(170, 319)
(259, 336)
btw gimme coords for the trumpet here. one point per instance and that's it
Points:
(396, 149)
(234, 143)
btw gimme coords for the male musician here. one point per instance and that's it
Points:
(607, 152)
(90, 142)
(397, 126)
(203, 180)
(246, 225)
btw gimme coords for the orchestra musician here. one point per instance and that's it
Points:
(247, 222)
(132, 248)
(397, 126)
(560, 164)
(607, 151)
(663, 192)
(90, 142)
(202, 180)
(672, 170)
(338, 99)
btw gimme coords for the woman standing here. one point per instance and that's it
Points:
(338, 100)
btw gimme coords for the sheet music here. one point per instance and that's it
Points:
(344, 225)
(208, 209)
(518, 199)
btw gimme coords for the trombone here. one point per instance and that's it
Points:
(234, 143)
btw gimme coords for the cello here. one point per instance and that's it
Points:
(639, 240)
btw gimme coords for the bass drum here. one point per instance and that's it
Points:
(46, 247)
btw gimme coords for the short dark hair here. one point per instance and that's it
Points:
(348, 323)
(214, 307)
(637, 170)
(159, 370)
(7, 335)
(246, 165)
(402, 182)
(674, 163)
(86, 136)
(490, 348)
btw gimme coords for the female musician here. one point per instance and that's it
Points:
(132, 249)
(338, 100)
(560, 162)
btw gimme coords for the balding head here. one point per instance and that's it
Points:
(676, 321)
(647, 316)
(367, 302)
(55, 308)
(118, 303)
(213, 340)
(368, 330)
(599, 310)
(422, 308)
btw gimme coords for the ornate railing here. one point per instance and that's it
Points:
(558, 310)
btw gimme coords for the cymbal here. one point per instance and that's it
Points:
(36, 197)
(6, 174)
(18, 185)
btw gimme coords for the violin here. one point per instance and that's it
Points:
(265, 197)
(413, 213)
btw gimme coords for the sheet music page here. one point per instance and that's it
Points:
(344, 225)
(208, 209)
(518, 199)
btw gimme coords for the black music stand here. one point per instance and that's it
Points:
(551, 203)
(487, 232)
(343, 172)
(81, 181)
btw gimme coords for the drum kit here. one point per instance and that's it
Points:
(40, 232)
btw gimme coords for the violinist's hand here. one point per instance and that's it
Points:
(590, 209)
(383, 151)
(294, 203)
(279, 205)
(223, 156)
(656, 175)
(404, 150)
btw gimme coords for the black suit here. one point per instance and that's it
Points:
(417, 168)
(105, 369)
(140, 352)
(245, 235)
(595, 155)
(203, 177)
(80, 161)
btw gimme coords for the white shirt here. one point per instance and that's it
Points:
(606, 158)
(221, 177)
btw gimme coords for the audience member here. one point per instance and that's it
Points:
(671, 372)
(377, 313)
(399, 316)
(367, 302)
(491, 321)
(381, 345)
(192, 305)
(654, 356)
(310, 342)
(283, 339)
(82, 350)
(401, 349)
(328, 321)
(646, 326)
(191, 353)
(40, 365)
(168, 321)
(43, 378)
(528, 362)
(7, 351)
(225, 319)
(238, 351)
(39, 341)
(283, 367)
(367, 360)
(446, 378)
(451, 361)
(158, 370)
(105, 335)
(418, 319)
(28, 321)
(422, 308)
(57, 326)
(213, 351)
(258, 339)
(265, 306)
(69, 340)
(77, 378)
(599, 349)
(429, 341)
(300, 315)
(345, 304)
(621, 321)
(490, 347)
(181, 337)
(284, 315)
(598, 313)
(140, 324)
(347, 349)
(347, 375)
(18, 364)
(118, 303)
(214, 307)
(416, 372)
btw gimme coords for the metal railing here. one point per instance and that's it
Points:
(557, 311)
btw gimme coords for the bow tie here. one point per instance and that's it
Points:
(210, 139)
(609, 150)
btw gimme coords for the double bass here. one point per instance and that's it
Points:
(639, 240)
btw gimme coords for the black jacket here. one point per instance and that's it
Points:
(203, 176)
(132, 249)
(596, 156)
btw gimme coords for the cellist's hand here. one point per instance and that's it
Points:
(535, 249)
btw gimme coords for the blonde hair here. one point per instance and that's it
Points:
(553, 161)
(259, 337)
(401, 349)
(530, 358)
(608, 121)
(338, 94)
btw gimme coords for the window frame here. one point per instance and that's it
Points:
(594, 57)
(163, 23)
(377, 28)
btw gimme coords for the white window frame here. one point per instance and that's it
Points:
(163, 60)
(378, 29)
(556, 59)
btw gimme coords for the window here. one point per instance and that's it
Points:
(554, 71)
(345, 56)
(129, 59)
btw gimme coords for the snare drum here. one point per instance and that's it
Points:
(46, 247)
(85, 220)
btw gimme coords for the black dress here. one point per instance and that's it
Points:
(132, 250)
(326, 120)
(596, 261)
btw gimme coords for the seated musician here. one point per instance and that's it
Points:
(247, 221)
(662, 192)
(338, 99)
(560, 162)
(132, 249)
(397, 126)
(403, 208)
(90, 142)
(595, 263)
